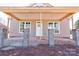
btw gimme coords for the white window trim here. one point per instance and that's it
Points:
(53, 25)
(24, 22)
(19, 26)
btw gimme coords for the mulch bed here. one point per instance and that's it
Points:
(43, 50)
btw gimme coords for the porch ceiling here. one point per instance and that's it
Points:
(38, 16)
(46, 13)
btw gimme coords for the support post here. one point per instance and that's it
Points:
(72, 22)
(3, 36)
(26, 37)
(75, 33)
(50, 37)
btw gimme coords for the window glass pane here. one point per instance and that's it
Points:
(27, 25)
(50, 26)
(56, 27)
(22, 26)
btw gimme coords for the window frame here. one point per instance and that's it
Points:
(24, 25)
(53, 25)
(58, 27)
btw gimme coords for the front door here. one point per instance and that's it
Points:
(39, 28)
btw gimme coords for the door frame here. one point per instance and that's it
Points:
(41, 29)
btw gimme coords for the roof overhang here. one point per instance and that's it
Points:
(17, 12)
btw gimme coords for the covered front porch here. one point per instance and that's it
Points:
(38, 25)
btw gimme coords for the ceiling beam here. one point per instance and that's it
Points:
(37, 9)
(68, 15)
(10, 14)
(39, 20)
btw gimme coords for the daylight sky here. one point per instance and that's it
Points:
(26, 2)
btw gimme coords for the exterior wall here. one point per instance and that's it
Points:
(45, 28)
(33, 28)
(14, 28)
(64, 28)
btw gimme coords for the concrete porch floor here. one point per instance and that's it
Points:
(58, 41)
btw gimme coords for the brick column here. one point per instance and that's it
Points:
(3, 36)
(26, 37)
(50, 37)
(75, 34)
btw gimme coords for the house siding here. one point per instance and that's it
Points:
(64, 28)
(14, 28)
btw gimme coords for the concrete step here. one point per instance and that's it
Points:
(7, 48)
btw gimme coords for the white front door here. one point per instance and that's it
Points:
(39, 28)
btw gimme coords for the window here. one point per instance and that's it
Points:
(27, 25)
(55, 26)
(50, 26)
(24, 25)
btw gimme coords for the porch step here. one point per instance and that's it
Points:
(7, 48)
(41, 38)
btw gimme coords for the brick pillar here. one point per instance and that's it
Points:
(75, 34)
(50, 37)
(3, 36)
(26, 37)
